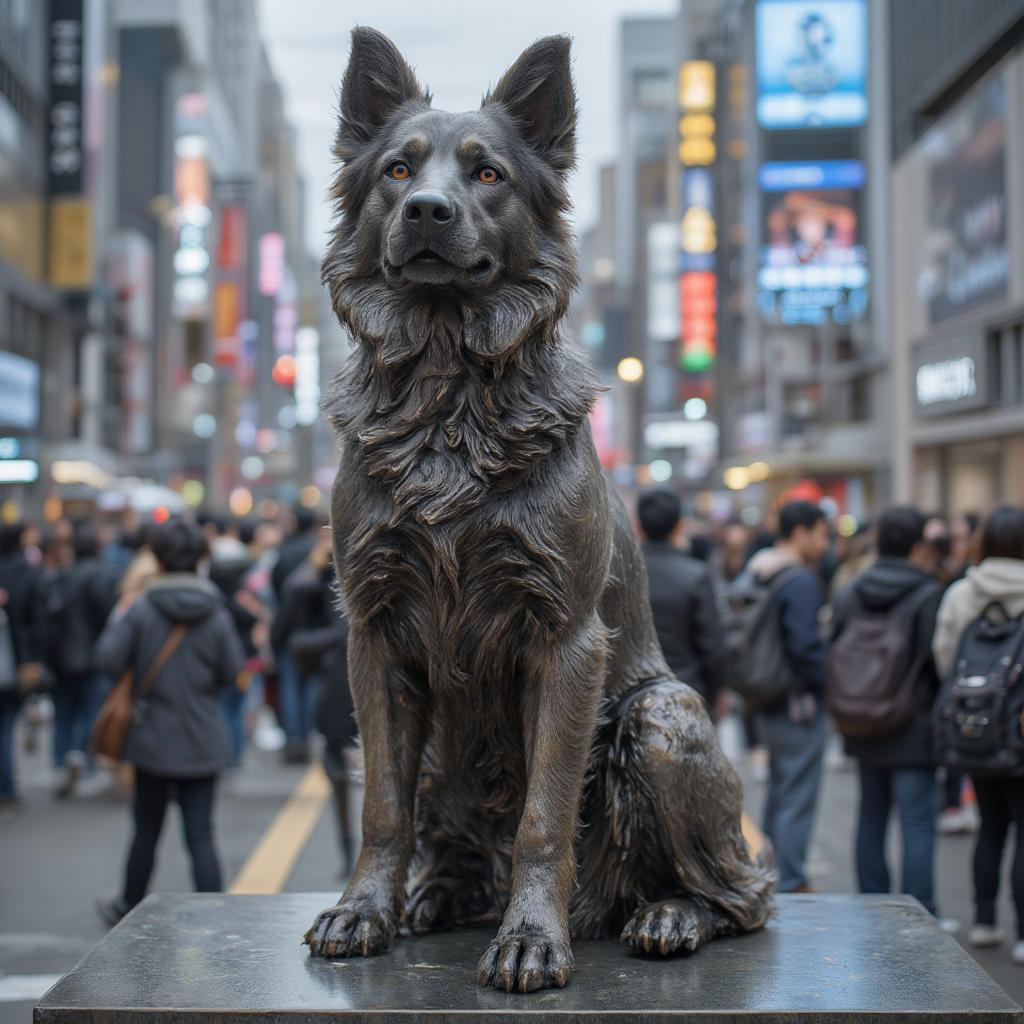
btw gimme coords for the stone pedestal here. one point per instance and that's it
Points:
(237, 960)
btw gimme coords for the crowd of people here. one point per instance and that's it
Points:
(213, 619)
(882, 637)
(907, 639)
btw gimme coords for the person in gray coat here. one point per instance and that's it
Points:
(177, 741)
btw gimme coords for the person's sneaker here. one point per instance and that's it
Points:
(759, 764)
(984, 936)
(73, 771)
(111, 911)
(950, 925)
(297, 752)
(956, 821)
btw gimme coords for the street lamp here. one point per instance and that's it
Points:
(630, 370)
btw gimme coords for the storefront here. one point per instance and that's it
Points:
(958, 303)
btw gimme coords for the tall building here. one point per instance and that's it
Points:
(801, 374)
(58, 369)
(957, 323)
(153, 272)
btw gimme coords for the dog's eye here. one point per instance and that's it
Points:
(399, 171)
(488, 176)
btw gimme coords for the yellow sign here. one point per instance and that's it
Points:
(697, 85)
(70, 243)
(697, 123)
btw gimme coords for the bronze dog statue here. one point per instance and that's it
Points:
(527, 749)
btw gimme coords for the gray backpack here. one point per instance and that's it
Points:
(760, 670)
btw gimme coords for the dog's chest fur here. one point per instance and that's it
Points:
(452, 550)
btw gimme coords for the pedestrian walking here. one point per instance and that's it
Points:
(305, 608)
(682, 597)
(296, 713)
(18, 668)
(883, 676)
(995, 584)
(177, 740)
(230, 564)
(794, 731)
(79, 607)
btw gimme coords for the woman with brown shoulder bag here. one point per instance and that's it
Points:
(175, 649)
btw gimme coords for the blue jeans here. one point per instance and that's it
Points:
(796, 753)
(233, 703)
(913, 792)
(76, 702)
(10, 704)
(297, 697)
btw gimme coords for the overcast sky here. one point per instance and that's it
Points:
(458, 48)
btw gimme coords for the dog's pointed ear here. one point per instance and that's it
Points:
(377, 82)
(538, 91)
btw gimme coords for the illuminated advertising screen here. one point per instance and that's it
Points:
(813, 264)
(811, 63)
(967, 259)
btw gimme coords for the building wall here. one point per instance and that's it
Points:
(960, 446)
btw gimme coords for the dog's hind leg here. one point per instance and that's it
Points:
(454, 888)
(688, 801)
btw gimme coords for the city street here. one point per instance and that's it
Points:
(49, 923)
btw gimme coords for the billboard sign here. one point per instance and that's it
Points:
(967, 249)
(813, 264)
(19, 392)
(811, 63)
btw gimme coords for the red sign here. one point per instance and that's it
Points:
(698, 306)
(231, 244)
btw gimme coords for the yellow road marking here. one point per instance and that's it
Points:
(274, 856)
(753, 835)
(271, 862)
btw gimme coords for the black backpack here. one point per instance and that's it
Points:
(760, 672)
(977, 717)
(872, 669)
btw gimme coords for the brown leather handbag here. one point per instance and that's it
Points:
(117, 712)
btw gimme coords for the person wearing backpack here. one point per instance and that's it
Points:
(790, 699)
(993, 588)
(881, 688)
(178, 740)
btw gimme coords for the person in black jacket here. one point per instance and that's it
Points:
(18, 665)
(177, 741)
(87, 593)
(898, 768)
(682, 597)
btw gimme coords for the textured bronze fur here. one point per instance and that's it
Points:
(528, 753)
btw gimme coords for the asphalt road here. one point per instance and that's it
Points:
(57, 857)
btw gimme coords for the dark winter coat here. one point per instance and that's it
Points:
(879, 589)
(686, 617)
(17, 578)
(88, 592)
(799, 600)
(182, 734)
(293, 552)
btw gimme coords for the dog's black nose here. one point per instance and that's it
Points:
(429, 211)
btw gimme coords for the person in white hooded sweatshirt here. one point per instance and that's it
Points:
(998, 577)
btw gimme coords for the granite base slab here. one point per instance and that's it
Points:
(238, 960)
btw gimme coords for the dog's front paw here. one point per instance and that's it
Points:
(350, 929)
(526, 963)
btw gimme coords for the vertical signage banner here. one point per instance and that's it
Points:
(698, 232)
(229, 293)
(65, 120)
(70, 227)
